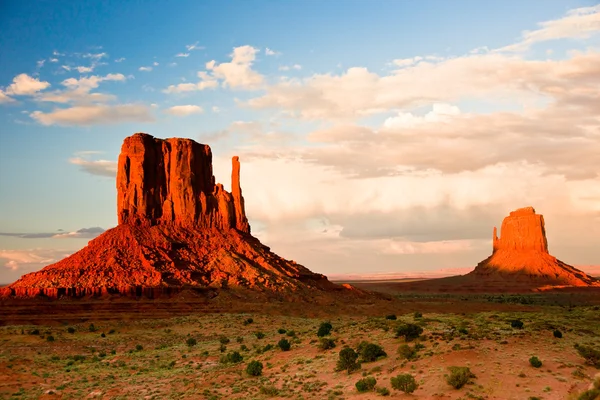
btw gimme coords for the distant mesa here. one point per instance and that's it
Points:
(521, 255)
(177, 228)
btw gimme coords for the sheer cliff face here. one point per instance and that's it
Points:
(171, 182)
(522, 230)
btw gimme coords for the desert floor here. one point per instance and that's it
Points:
(116, 356)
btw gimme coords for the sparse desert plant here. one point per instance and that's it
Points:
(592, 394)
(223, 339)
(233, 357)
(326, 343)
(139, 347)
(347, 360)
(34, 332)
(111, 331)
(267, 347)
(370, 351)
(291, 333)
(418, 315)
(464, 331)
(535, 362)
(269, 391)
(254, 368)
(406, 352)
(383, 391)
(103, 335)
(591, 355)
(92, 328)
(239, 339)
(391, 317)
(71, 329)
(50, 338)
(222, 348)
(324, 329)
(281, 331)
(405, 383)
(409, 331)
(517, 324)
(248, 321)
(191, 342)
(459, 376)
(284, 345)
(259, 335)
(557, 334)
(366, 384)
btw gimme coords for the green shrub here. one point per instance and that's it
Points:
(259, 335)
(347, 360)
(111, 331)
(464, 331)
(383, 391)
(557, 334)
(50, 338)
(409, 331)
(231, 358)
(406, 352)
(267, 347)
(324, 329)
(418, 315)
(223, 339)
(591, 355)
(254, 368)
(34, 332)
(222, 348)
(191, 342)
(391, 317)
(248, 321)
(366, 384)
(592, 394)
(518, 324)
(103, 335)
(284, 345)
(459, 376)
(139, 347)
(92, 328)
(71, 329)
(535, 362)
(291, 333)
(370, 351)
(326, 343)
(281, 331)
(405, 383)
(269, 391)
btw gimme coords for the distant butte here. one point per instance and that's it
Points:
(521, 255)
(177, 229)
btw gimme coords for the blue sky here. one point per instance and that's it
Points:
(382, 137)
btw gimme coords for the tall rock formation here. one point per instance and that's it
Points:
(521, 255)
(177, 228)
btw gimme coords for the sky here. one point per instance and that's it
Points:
(377, 138)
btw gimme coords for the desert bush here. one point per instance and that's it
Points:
(409, 331)
(291, 333)
(557, 334)
(281, 331)
(370, 351)
(111, 331)
(191, 342)
(233, 357)
(139, 347)
(284, 345)
(464, 331)
(50, 338)
(267, 347)
(326, 343)
(254, 368)
(459, 376)
(366, 384)
(34, 332)
(92, 328)
(383, 391)
(347, 360)
(406, 352)
(222, 348)
(71, 329)
(592, 394)
(405, 383)
(418, 314)
(259, 335)
(391, 317)
(535, 362)
(269, 391)
(223, 339)
(518, 324)
(591, 355)
(103, 335)
(248, 321)
(324, 329)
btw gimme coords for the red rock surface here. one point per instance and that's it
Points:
(177, 229)
(521, 254)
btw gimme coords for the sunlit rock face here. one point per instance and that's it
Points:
(177, 228)
(521, 254)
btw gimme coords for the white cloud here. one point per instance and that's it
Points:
(182, 111)
(182, 55)
(30, 259)
(206, 82)
(66, 67)
(40, 63)
(271, 52)
(82, 69)
(238, 73)
(118, 60)
(440, 112)
(53, 60)
(95, 56)
(94, 115)
(25, 85)
(79, 90)
(297, 67)
(95, 167)
(4, 98)
(155, 63)
(145, 69)
(173, 64)
(191, 47)
(579, 23)
(215, 109)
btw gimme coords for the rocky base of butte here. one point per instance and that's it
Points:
(177, 228)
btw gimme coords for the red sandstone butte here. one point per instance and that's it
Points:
(521, 255)
(177, 228)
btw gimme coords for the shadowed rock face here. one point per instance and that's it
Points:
(177, 228)
(521, 255)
